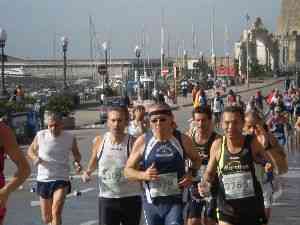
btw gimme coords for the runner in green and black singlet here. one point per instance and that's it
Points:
(240, 200)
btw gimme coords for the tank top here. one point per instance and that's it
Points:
(55, 152)
(168, 157)
(111, 162)
(239, 186)
(203, 150)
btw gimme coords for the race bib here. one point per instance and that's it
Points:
(111, 178)
(239, 185)
(166, 185)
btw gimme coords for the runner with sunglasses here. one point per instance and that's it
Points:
(158, 159)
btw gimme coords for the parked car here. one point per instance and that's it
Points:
(109, 102)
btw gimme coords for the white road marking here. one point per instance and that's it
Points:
(90, 222)
(37, 203)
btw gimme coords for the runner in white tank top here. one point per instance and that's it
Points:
(117, 195)
(50, 152)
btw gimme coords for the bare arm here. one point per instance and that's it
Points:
(131, 170)
(92, 164)
(75, 151)
(215, 153)
(189, 151)
(32, 151)
(77, 156)
(12, 149)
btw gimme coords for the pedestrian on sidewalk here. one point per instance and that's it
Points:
(119, 199)
(9, 146)
(50, 151)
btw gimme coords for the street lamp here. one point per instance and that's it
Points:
(64, 43)
(3, 37)
(105, 48)
(137, 51)
(247, 49)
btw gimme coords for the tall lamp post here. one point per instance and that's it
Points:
(105, 80)
(64, 43)
(3, 37)
(247, 49)
(137, 51)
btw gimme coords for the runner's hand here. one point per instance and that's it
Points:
(186, 181)
(85, 177)
(204, 188)
(151, 173)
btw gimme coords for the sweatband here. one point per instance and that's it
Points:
(161, 112)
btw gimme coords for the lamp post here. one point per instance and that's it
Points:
(247, 49)
(105, 80)
(137, 51)
(3, 37)
(64, 43)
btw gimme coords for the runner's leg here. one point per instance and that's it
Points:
(46, 205)
(58, 204)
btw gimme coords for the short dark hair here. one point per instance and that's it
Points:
(202, 109)
(235, 109)
(120, 109)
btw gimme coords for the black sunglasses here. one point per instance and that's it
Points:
(158, 119)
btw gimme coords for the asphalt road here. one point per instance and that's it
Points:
(23, 206)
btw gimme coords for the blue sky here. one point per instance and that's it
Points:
(31, 25)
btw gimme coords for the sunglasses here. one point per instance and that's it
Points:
(158, 119)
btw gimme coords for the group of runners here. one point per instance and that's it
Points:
(149, 167)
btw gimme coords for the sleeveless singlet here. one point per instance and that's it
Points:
(55, 151)
(168, 157)
(238, 184)
(111, 162)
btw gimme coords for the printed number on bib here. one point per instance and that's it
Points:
(238, 186)
(111, 178)
(166, 185)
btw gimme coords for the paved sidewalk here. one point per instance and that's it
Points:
(88, 117)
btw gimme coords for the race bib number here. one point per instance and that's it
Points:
(166, 185)
(111, 178)
(238, 186)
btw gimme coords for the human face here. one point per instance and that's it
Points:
(161, 123)
(250, 125)
(116, 122)
(202, 122)
(232, 124)
(55, 127)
